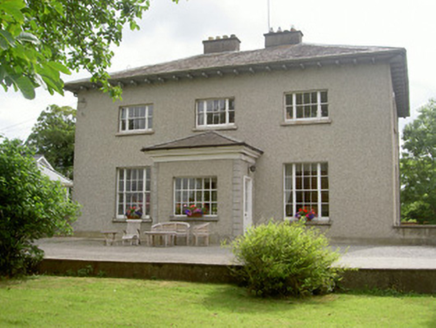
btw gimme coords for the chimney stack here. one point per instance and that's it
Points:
(218, 44)
(280, 38)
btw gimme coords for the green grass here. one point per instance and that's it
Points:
(92, 302)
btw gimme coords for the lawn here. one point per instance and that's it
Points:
(45, 301)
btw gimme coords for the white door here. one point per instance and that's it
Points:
(248, 203)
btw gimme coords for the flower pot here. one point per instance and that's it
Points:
(133, 217)
(195, 215)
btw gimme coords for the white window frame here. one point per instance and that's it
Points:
(292, 191)
(206, 114)
(189, 185)
(146, 192)
(293, 107)
(130, 116)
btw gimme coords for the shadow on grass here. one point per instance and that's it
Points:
(231, 299)
(389, 292)
(6, 282)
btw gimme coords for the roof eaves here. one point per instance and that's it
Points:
(400, 82)
(242, 144)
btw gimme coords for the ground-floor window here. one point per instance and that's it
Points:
(200, 192)
(306, 185)
(133, 190)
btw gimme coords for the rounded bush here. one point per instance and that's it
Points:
(286, 259)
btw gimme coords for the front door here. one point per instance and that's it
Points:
(248, 203)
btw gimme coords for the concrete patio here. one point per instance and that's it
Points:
(407, 268)
(354, 256)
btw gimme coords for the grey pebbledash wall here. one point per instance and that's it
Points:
(359, 143)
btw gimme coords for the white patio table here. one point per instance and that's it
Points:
(165, 238)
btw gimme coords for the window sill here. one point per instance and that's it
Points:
(134, 133)
(146, 220)
(307, 122)
(214, 127)
(314, 222)
(194, 219)
(415, 226)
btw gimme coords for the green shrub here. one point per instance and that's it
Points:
(31, 207)
(286, 259)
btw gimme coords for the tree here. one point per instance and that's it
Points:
(31, 207)
(41, 39)
(53, 136)
(418, 167)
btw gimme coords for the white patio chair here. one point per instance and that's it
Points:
(132, 233)
(201, 231)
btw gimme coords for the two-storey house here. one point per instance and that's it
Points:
(249, 136)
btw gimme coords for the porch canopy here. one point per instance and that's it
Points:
(204, 146)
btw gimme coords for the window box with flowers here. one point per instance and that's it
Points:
(305, 214)
(194, 211)
(134, 213)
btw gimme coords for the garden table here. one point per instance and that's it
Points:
(167, 238)
(109, 237)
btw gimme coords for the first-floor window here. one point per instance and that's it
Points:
(201, 192)
(133, 191)
(215, 112)
(136, 118)
(307, 186)
(306, 105)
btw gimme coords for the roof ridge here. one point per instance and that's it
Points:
(351, 46)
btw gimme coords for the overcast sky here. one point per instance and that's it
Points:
(172, 31)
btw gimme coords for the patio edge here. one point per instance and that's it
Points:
(403, 280)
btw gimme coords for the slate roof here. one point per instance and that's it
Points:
(286, 57)
(270, 55)
(202, 140)
(56, 176)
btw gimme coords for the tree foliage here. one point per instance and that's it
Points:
(41, 39)
(418, 167)
(53, 136)
(286, 259)
(31, 207)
